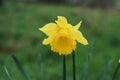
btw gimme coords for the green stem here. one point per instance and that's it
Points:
(64, 68)
(74, 66)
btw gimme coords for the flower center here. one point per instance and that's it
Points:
(63, 43)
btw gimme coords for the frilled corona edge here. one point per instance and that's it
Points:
(62, 36)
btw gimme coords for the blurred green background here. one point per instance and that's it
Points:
(19, 35)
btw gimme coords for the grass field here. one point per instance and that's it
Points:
(19, 23)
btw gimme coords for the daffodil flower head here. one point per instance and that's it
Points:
(62, 36)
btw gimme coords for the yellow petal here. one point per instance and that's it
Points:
(62, 19)
(47, 40)
(78, 25)
(49, 29)
(79, 37)
(61, 22)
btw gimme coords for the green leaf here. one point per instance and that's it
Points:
(6, 70)
(20, 67)
(40, 67)
(86, 68)
(104, 71)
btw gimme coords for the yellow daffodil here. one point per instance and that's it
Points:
(62, 36)
(119, 61)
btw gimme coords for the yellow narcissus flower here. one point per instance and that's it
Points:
(62, 36)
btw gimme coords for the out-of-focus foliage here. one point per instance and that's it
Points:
(86, 3)
(19, 35)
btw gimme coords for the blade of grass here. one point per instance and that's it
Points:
(116, 70)
(104, 71)
(40, 67)
(86, 68)
(7, 73)
(2, 73)
(21, 68)
(84, 75)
